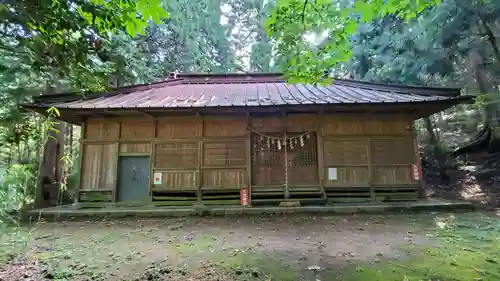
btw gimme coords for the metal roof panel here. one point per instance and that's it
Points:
(248, 90)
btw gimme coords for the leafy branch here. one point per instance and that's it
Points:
(340, 20)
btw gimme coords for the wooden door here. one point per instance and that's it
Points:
(133, 181)
(269, 158)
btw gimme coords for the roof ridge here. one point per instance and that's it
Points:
(419, 90)
(234, 78)
(71, 96)
(233, 74)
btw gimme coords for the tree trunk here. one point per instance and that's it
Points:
(481, 78)
(438, 154)
(492, 40)
(431, 135)
(51, 166)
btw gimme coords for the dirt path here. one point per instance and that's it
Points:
(289, 247)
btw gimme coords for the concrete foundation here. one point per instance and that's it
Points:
(181, 211)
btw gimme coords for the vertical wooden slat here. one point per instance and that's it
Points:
(108, 168)
(370, 168)
(321, 164)
(96, 157)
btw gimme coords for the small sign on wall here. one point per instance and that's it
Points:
(415, 171)
(332, 174)
(244, 196)
(157, 178)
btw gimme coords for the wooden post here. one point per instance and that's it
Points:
(117, 163)
(117, 160)
(287, 189)
(283, 129)
(200, 160)
(370, 168)
(151, 160)
(249, 162)
(80, 162)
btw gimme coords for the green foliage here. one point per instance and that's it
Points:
(292, 23)
(200, 40)
(433, 49)
(391, 51)
(16, 188)
(443, 46)
(134, 15)
(73, 179)
(54, 39)
(193, 39)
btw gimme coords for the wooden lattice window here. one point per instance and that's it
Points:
(268, 162)
(303, 156)
(264, 154)
(303, 162)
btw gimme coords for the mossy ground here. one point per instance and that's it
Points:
(358, 248)
(469, 249)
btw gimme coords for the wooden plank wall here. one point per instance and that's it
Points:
(191, 153)
(99, 166)
(200, 153)
(368, 153)
(194, 153)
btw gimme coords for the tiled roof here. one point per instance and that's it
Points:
(246, 90)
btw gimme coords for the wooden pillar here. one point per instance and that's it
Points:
(200, 160)
(283, 129)
(249, 161)
(321, 153)
(152, 159)
(116, 156)
(114, 193)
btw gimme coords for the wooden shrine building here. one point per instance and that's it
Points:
(202, 138)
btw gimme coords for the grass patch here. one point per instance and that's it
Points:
(252, 266)
(245, 264)
(13, 242)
